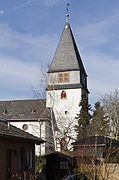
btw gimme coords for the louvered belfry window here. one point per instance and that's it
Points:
(63, 77)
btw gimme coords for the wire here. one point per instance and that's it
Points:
(17, 7)
(22, 5)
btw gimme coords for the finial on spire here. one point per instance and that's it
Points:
(67, 14)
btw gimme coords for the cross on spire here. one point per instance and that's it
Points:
(67, 14)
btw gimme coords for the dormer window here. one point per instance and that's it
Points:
(4, 111)
(63, 95)
(63, 77)
(63, 144)
(33, 110)
(66, 112)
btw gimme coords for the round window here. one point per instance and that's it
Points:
(25, 127)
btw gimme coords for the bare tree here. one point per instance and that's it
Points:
(66, 130)
(110, 103)
(43, 79)
(64, 124)
(99, 162)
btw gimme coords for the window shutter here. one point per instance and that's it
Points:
(60, 77)
(66, 77)
(63, 77)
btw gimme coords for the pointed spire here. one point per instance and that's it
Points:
(67, 57)
(67, 14)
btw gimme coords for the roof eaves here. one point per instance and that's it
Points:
(20, 138)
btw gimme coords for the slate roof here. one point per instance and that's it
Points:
(67, 57)
(24, 109)
(91, 140)
(77, 153)
(13, 133)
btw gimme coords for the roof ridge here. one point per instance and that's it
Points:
(15, 100)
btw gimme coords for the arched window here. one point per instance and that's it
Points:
(4, 111)
(63, 95)
(63, 144)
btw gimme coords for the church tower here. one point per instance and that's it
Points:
(67, 81)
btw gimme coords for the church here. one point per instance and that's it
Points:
(53, 119)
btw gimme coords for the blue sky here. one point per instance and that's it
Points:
(30, 31)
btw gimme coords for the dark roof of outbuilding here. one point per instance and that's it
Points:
(24, 109)
(92, 140)
(13, 133)
(67, 57)
(77, 153)
(57, 153)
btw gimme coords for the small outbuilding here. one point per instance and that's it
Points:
(17, 153)
(97, 156)
(99, 146)
(58, 165)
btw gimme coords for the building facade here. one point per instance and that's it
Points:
(33, 117)
(17, 153)
(67, 81)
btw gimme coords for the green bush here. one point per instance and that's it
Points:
(40, 163)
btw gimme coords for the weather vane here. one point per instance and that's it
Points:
(67, 14)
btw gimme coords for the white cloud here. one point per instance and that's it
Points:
(17, 74)
(97, 32)
(1, 11)
(21, 57)
(99, 48)
(103, 72)
(27, 46)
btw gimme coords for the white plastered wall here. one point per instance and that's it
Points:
(61, 106)
(74, 77)
(34, 129)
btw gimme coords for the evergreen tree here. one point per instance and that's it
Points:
(100, 123)
(83, 117)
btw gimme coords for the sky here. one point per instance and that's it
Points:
(29, 34)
